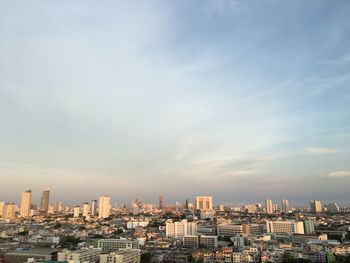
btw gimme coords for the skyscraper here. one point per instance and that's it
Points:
(315, 206)
(269, 206)
(285, 206)
(44, 202)
(204, 203)
(86, 210)
(76, 211)
(161, 201)
(103, 206)
(26, 201)
(9, 210)
(93, 207)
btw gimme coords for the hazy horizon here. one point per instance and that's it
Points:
(241, 100)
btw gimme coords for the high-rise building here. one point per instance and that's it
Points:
(285, 206)
(268, 206)
(94, 207)
(180, 229)
(58, 206)
(86, 209)
(26, 201)
(332, 208)
(2, 206)
(103, 206)
(204, 203)
(76, 211)
(316, 206)
(44, 202)
(161, 201)
(187, 204)
(9, 210)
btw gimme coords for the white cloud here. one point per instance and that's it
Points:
(318, 150)
(339, 174)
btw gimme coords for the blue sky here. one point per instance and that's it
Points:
(243, 100)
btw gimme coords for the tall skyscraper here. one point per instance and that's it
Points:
(187, 205)
(204, 203)
(94, 207)
(316, 206)
(161, 201)
(26, 201)
(269, 206)
(44, 202)
(76, 211)
(9, 210)
(103, 206)
(285, 206)
(86, 210)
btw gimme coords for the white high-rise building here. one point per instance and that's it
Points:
(204, 203)
(26, 201)
(103, 206)
(180, 229)
(94, 207)
(76, 211)
(86, 210)
(285, 206)
(268, 206)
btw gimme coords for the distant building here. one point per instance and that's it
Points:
(44, 201)
(161, 201)
(204, 203)
(86, 210)
(316, 206)
(26, 201)
(332, 208)
(103, 206)
(76, 211)
(9, 210)
(94, 207)
(229, 230)
(285, 206)
(269, 206)
(309, 226)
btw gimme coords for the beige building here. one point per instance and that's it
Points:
(103, 206)
(122, 256)
(204, 203)
(26, 201)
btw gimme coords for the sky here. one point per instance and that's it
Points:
(241, 100)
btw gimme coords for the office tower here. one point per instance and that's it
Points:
(284, 227)
(268, 206)
(316, 206)
(9, 210)
(94, 207)
(204, 203)
(285, 206)
(86, 209)
(332, 208)
(309, 226)
(76, 211)
(103, 206)
(44, 202)
(26, 201)
(161, 201)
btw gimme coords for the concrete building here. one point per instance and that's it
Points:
(161, 201)
(111, 245)
(208, 241)
(332, 208)
(191, 241)
(122, 256)
(284, 227)
(44, 202)
(309, 226)
(94, 207)
(26, 201)
(269, 206)
(229, 230)
(76, 211)
(180, 229)
(285, 206)
(9, 210)
(91, 255)
(103, 206)
(86, 210)
(316, 206)
(204, 203)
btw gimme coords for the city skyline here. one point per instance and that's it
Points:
(240, 100)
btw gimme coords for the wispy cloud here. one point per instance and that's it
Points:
(339, 174)
(320, 150)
